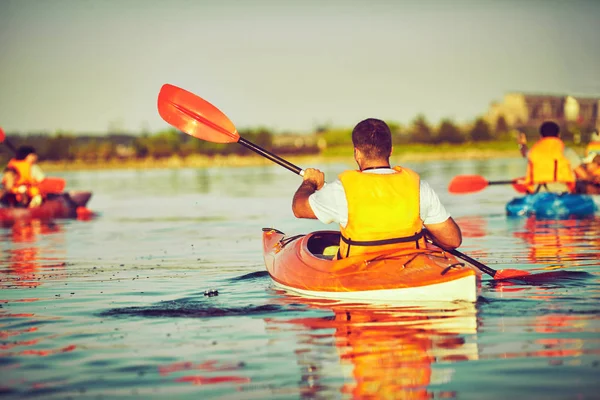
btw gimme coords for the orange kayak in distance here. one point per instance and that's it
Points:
(297, 264)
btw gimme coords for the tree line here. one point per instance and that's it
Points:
(171, 142)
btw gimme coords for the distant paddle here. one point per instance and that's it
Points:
(200, 119)
(462, 184)
(49, 184)
(4, 139)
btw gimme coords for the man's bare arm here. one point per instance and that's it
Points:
(446, 234)
(313, 181)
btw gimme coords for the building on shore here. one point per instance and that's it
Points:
(525, 111)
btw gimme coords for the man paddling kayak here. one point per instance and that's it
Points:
(550, 164)
(378, 206)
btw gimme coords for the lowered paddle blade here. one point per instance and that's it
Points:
(52, 185)
(195, 116)
(510, 274)
(519, 186)
(467, 184)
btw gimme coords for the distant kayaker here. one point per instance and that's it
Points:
(7, 196)
(551, 165)
(592, 166)
(594, 144)
(29, 176)
(377, 206)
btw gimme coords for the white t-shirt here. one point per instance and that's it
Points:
(330, 205)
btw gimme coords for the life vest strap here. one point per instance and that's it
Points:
(382, 242)
(413, 238)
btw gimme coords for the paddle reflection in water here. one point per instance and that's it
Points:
(392, 352)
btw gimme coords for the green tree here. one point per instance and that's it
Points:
(501, 125)
(480, 131)
(421, 132)
(449, 132)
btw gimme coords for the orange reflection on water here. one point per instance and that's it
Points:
(23, 255)
(389, 351)
(552, 241)
(472, 226)
(209, 366)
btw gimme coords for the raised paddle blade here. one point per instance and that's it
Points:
(52, 185)
(467, 184)
(2, 135)
(195, 116)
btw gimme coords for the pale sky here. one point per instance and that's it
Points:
(84, 66)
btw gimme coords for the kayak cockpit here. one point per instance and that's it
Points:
(323, 244)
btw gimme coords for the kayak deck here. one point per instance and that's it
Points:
(297, 264)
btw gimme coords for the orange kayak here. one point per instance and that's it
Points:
(297, 264)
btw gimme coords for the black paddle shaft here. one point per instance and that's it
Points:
(10, 145)
(501, 182)
(267, 154)
(481, 266)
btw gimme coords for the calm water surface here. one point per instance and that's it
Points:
(115, 307)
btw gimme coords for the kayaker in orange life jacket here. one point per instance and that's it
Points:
(551, 165)
(378, 207)
(29, 176)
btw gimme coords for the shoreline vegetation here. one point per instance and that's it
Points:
(174, 149)
(402, 153)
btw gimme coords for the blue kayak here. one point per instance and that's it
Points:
(552, 205)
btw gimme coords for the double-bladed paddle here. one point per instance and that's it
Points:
(474, 183)
(200, 119)
(197, 117)
(49, 184)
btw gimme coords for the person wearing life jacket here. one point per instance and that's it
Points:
(594, 145)
(551, 165)
(592, 167)
(7, 196)
(29, 176)
(377, 207)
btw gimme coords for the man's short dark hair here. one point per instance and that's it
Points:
(373, 138)
(549, 128)
(23, 152)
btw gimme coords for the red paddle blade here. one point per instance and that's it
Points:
(510, 274)
(52, 185)
(195, 116)
(519, 186)
(2, 135)
(467, 184)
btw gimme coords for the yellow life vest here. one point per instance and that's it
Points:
(592, 147)
(383, 212)
(24, 179)
(548, 164)
(23, 167)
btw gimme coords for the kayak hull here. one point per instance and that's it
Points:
(296, 264)
(553, 205)
(63, 205)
